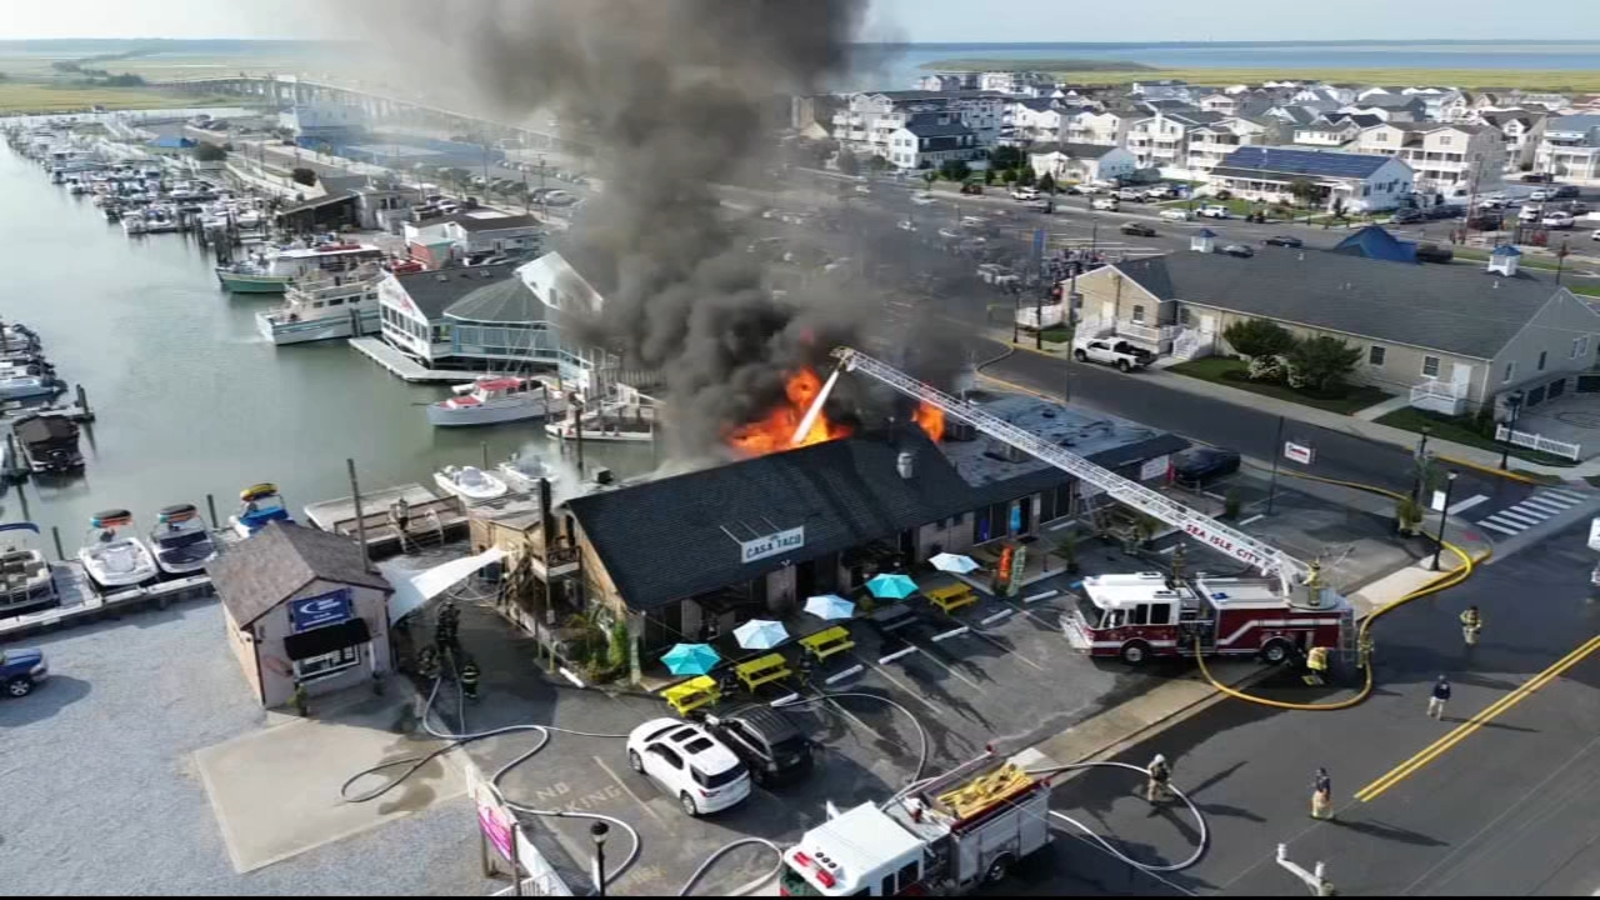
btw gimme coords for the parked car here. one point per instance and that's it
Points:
(1283, 240)
(1445, 211)
(1086, 189)
(1177, 215)
(1024, 193)
(922, 199)
(906, 225)
(1135, 195)
(1538, 178)
(768, 743)
(1565, 191)
(1486, 222)
(1109, 204)
(1557, 220)
(1407, 216)
(1138, 229)
(1243, 251)
(1214, 211)
(1159, 192)
(1108, 351)
(972, 187)
(559, 198)
(1200, 464)
(689, 764)
(1594, 235)
(1541, 195)
(863, 189)
(1434, 253)
(21, 670)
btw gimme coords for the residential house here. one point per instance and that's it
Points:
(1209, 144)
(1027, 84)
(929, 140)
(1521, 132)
(1036, 119)
(1451, 158)
(1108, 127)
(1082, 162)
(435, 242)
(1356, 182)
(301, 607)
(867, 120)
(1336, 130)
(1161, 141)
(1162, 89)
(672, 556)
(1390, 107)
(1451, 338)
(1436, 100)
(1570, 148)
(941, 82)
(385, 207)
(1332, 96)
(1242, 103)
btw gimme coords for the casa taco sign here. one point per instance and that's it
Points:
(772, 544)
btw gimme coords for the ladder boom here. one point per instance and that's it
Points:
(1243, 547)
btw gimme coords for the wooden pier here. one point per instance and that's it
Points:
(81, 602)
(432, 520)
(404, 367)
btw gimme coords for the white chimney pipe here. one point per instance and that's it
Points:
(905, 464)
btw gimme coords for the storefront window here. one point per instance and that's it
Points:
(326, 664)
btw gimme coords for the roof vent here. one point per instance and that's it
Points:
(905, 464)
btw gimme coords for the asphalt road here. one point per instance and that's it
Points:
(1506, 811)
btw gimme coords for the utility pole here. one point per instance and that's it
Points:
(361, 520)
(1449, 488)
(1277, 451)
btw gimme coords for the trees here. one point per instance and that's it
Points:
(1006, 158)
(879, 164)
(955, 170)
(1026, 178)
(304, 176)
(1321, 363)
(1047, 183)
(209, 152)
(1009, 176)
(1258, 338)
(929, 176)
(988, 175)
(1303, 191)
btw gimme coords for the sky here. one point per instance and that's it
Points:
(911, 20)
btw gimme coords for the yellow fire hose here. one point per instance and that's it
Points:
(1447, 580)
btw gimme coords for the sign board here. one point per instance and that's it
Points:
(1299, 453)
(494, 819)
(1018, 560)
(1438, 501)
(542, 878)
(772, 544)
(1016, 518)
(324, 609)
(1594, 534)
(1155, 468)
(1227, 545)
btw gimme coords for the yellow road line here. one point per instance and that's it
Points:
(1489, 470)
(1439, 747)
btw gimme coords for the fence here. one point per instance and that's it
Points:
(1440, 396)
(1538, 442)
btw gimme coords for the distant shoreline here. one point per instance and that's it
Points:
(1584, 80)
(1039, 65)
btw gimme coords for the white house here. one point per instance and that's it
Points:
(1209, 144)
(930, 140)
(1447, 157)
(1357, 182)
(864, 124)
(1161, 141)
(1037, 119)
(1082, 162)
(1108, 127)
(1571, 148)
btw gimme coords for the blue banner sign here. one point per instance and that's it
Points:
(323, 609)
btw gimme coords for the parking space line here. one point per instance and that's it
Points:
(902, 685)
(1255, 518)
(946, 666)
(852, 717)
(1004, 649)
(627, 790)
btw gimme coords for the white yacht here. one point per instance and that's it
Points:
(181, 541)
(493, 399)
(272, 272)
(470, 483)
(114, 559)
(25, 578)
(325, 305)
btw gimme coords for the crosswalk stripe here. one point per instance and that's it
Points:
(1488, 524)
(1509, 523)
(1543, 509)
(1468, 503)
(1518, 515)
(1575, 498)
(1557, 497)
(1550, 505)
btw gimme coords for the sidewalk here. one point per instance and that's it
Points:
(1459, 454)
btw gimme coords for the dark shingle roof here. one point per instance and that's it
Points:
(1295, 163)
(1074, 151)
(928, 126)
(1456, 309)
(505, 300)
(663, 541)
(474, 223)
(1375, 242)
(435, 291)
(258, 574)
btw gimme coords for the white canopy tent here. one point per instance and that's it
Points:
(413, 589)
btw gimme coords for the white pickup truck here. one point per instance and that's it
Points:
(1111, 352)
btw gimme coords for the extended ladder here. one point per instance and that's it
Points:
(1268, 559)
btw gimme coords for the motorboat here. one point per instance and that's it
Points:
(522, 473)
(324, 305)
(493, 399)
(259, 505)
(271, 272)
(49, 444)
(113, 558)
(25, 578)
(470, 483)
(24, 387)
(181, 540)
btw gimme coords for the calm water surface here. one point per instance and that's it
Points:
(190, 399)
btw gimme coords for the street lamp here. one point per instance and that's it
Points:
(1422, 458)
(598, 832)
(1514, 409)
(1449, 487)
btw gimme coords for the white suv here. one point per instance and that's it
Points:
(687, 762)
(1213, 211)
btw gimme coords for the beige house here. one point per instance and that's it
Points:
(1452, 338)
(301, 607)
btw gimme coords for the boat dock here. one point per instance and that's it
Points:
(82, 603)
(406, 368)
(432, 519)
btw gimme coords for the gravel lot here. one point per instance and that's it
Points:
(102, 795)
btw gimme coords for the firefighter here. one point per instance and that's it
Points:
(428, 663)
(1317, 663)
(1471, 625)
(1159, 773)
(1321, 795)
(469, 680)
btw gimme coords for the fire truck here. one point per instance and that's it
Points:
(1137, 616)
(948, 835)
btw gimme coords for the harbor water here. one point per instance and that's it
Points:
(189, 398)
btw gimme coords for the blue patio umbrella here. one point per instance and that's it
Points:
(691, 659)
(760, 634)
(830, 606)
(953, 562)
(898, 587)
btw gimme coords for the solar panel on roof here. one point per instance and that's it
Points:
(1305, 162)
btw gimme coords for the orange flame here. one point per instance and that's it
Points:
(775, 432)
(931, 418)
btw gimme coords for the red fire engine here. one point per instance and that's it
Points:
(1134, 617)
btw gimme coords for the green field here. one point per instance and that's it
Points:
(1580, 80)
(32, 97)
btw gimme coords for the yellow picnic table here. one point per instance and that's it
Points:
(827, 642)
(762, 669)
(951, 597)
(686, 696)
